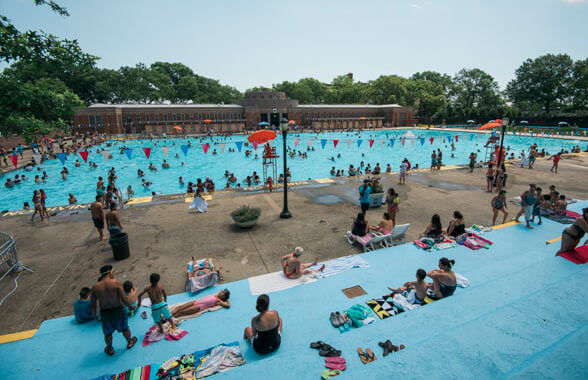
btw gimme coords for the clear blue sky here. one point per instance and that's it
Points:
(260, 42)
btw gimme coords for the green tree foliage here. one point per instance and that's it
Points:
(580, 85)
(475, 94)
(543, 82)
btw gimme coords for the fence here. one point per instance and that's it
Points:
(8, 256)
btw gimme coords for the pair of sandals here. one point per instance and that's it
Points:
(328, 373)
(389, 347)
(109, 350)
(339, 320)
(367, 356)
(325, 349)
(335, 363)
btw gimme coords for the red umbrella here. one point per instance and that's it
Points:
(261, 136)
(208, 121)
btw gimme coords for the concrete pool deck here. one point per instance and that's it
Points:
(522, 317)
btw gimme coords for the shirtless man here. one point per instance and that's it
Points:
(98, 216)
(109, 292)
(420, 287)
(112, 218)
(293, 268)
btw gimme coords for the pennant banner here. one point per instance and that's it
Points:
(309, 143)
(239, 145)
(147, 152)
(105, 154)
(62, 157)
(382, 142)
(371, 143)
(359, 143)
(411, 142)
(472, 136)
(84, 156)
(129, 153)
(255, 143)
(323, 143)
(222, 147)
(296, 142)
(431, 140)
(165, 150)
(37, 158)
(184, 149)
(456, 138)
(348, 144)
(402, 140)
(14, 159)
(392, 141)
(335, 142)
(205, 147)
(422, 141)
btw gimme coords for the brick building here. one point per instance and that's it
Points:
(243, 114)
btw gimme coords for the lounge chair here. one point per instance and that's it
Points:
(398, 234)
(364, 241)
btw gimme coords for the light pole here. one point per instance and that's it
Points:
(285, 214)
(504, 125)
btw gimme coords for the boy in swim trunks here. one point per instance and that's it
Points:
(131, 294)
(158, 298)
(420, 287)
(97, 212)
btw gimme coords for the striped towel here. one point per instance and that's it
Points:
(341, 264)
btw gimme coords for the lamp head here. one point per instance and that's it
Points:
(284, 124)
(505, 122)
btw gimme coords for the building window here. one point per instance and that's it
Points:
(175, 117)
(316, 115)
(191, 116)
(138, 119)
(216, 116)
(91, 119)
(156, 117)
(261, 97)
(183, 116)
(224, 117)
(164, 117)
(231, 116)
(327, 115)
(147, 117)
(208, 116)
(199, 117)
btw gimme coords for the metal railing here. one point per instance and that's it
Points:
(8, 256)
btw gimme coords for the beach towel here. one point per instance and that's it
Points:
(173, 308)
(405, 301)
(383, 307)
(474, 241)
(195, 284)
(577, 256)
(153, 335)
(336, 266)
(478, 229)
(429, 244)
(274, 282)
(198, 204)
(461, 281)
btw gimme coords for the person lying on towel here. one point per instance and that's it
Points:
(197, 271)
(292, 266)
(444, 282)
(420, 287)
(193, 307)
(572, 235)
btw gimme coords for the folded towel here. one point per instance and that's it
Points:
(198, 283)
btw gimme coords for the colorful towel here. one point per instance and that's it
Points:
(430, 244)
(384, 307)
(577, 256)
(474, 241)
(478, 229)
(153, 335)
(195, 365)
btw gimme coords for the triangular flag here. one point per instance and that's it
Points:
(335, 142)
(129, 153)
(296, 142)
(422, 141)
(184, 149)
(222, 147)
(323, 143)
(84, 156)
(431, 140)
(456, 138)
(165, 150)
(147, 152)
(371, 143)
(402, 140)
(382, 142)
(62, 157)
(37, 158)
(255, 143)
(548, 133)
(14, 160)
(392, 141)
(105, 154)
(309, 143)
(239, 145)
(472, 136)
(359, 143)
(348, 144)
(411, 142)
(205, 147)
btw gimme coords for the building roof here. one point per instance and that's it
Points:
(141, 105)
(349, 105)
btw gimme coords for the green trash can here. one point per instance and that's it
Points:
(119, 241)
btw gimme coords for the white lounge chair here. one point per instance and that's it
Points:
(364, 241)
(398, 234)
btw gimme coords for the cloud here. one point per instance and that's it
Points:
(417, 6)
(573, 1)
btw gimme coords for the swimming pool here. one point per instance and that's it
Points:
(81, 181)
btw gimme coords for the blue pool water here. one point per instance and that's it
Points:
(81, 181)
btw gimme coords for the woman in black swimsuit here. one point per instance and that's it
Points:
(572, 235)
(265, 331)
(457, 225)
(444, 282)
(434, 230)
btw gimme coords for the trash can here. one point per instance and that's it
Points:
(119, 241)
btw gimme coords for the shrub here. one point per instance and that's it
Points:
(245, 214)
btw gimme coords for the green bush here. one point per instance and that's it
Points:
(376, 185)
(245, 214)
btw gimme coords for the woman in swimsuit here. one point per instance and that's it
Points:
(434, 229)
(37, 205)
(499, 178)
(456, 225)
(265, 331)
(444, 282)
(197, 271)
(433, 161)
(193, 307)
(393, 200)
(360, 225)
(489, 178)
(572, 235)
(385, 226)
(498, 203)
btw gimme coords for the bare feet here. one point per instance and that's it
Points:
(322, 268)
(315, 261)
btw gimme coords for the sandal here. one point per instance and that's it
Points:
(370, 354)
(386, 347)
(131, 343)
(330, 352)
(339, 366)
(335, 359)
(319, 344)
(327, 374)
(365, 359)
(334, 320)
(109, 350)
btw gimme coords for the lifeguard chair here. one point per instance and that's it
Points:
(270, 168)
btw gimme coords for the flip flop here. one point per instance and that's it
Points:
(370, 354)
(327, 374)
(386, 347)
(109, 351)
(330, 352)
(339, 366)
(335, 359)
(131, 343)
(318, 344)
(334, 320)
(362, 356)
(340, 319)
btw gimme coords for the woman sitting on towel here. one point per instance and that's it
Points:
(434, 230)
(444, 282)
(193, 307)
(360, 225)
(457, 225)
(385, 226)
(572, 235)
(265, 331)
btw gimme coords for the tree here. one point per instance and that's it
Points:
(427, 98)
(442, 80)
(475, 94)
(544, 81)
(580, 85)
(388, 89)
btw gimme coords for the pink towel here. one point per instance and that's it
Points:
(573, 214)
(577, 256)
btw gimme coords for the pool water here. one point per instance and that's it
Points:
(81, 181)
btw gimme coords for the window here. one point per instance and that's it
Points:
(216, 116)
(138, 119)
(224, 117)
(327, 115)
(191, 116)
(208, 116)
(175, 117)
(261, 97)
(98, 119)
(147, 117)
(183, 116)
(232, 116)
(91, 119)
(164, 117)
(200, 117)
(156, 117)
(315, 115)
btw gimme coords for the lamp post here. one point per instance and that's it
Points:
(504, 125)
(285, 214)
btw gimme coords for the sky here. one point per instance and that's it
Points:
(261, 42)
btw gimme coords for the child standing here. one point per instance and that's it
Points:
(131, 294)
(537, 206)
(556, 160)
(158, 298)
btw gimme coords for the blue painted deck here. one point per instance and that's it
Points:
(524, 316)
